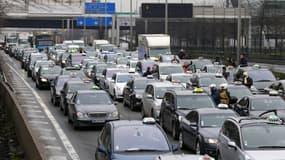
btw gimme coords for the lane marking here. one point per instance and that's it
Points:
(67, 144)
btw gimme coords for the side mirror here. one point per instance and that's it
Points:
(149, 96)
(102, 149)
(61, 91)
(175, 147)
(232, 145)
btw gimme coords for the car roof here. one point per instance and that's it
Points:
(213, 111)
(181, 74)
(121, 123)
(75, 81)
(261, 96)
(168, 64)
(164, 84)
(241, 121)
(187, 92)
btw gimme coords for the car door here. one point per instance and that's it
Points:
(128, 91)
(166, 111)
(72, 105)
(192, 129)
(230, 133)
(112, 84)
(105, 142)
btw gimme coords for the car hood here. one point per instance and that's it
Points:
(267, 154)
(210, 132)
(139, 92)
(137, 156)
(96, 108)
(121, 85)
(50, 76)
(261, 85)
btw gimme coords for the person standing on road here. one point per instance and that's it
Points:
(181, 54)
(225, 73)
(224, 94)
(215, 94)
(246, 80)
(147, 72)
(243, 61)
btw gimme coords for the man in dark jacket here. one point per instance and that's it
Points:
(181, 54)
(215, 94)
(243, 61)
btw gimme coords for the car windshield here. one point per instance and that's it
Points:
(60, 82)
(166, 70)
(239, 92)
(139, 138)
(80, 86)
(159, 91)
(141, 84)
(214, 120)
(107, 48)
(93, 98)
(182, 78)
(263, 104)
(207, 81)
(122, 60)
(194, 101)
(133, 64)
(156, 52)
(123, 78)
(53, 70)
(100, 68)
(263, 136)
(199, 64)
(261, 75)
(111, 72)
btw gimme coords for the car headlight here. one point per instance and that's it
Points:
(81, 115)
(211, 140)
(114, 114)
(138, 96)
(63, 61)
(43, 79)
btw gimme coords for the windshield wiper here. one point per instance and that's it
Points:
(271, 147)
(264, 80)
(142, 150)
(184, 108)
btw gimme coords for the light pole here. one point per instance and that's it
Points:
(166, 17)
(131, 25)
(238, 30)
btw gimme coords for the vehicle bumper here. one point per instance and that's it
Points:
(93, 122)
(210, 149)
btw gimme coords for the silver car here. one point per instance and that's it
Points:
(153, 95)
(184, 157)
(252, 138)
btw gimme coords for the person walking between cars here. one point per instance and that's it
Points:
(246, 80)
(215, 94)
(224, 94)
(147, 72)
(243, 61)
(174, 60)
(181, 54)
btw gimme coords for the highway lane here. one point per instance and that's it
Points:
(84, 140)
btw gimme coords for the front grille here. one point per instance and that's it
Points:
(97, 115)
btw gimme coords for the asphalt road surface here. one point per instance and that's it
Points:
(84, 140)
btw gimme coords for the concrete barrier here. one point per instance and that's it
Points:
(25, 135)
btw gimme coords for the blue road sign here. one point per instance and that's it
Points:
(100, 8)
(94, 22)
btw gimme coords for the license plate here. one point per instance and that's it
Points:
(98, 121)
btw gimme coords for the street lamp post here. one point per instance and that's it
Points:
(131, 25)
(166, 17)
(238, 30)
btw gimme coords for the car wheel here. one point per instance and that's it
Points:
(69, 119)
(219, 157)
(132, 105)
(142, 112)
(197, 148)
(181, 143)
(174, 131)
(74, 124)
(114, 95)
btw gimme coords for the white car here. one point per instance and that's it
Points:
(118, 83)
(105, 79)
(164, 69)
(153, 95)
(132, 65)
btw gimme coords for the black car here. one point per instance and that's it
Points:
(200, 129)
(46, 75)
(133, 91)
(256, 104)
(176, 104)
(91, 108)
(68, 89)
(132, 140)
(33, 57)
(96, 72)
(57, 86)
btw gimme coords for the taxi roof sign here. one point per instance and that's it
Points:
(198, 90)
(148, 120)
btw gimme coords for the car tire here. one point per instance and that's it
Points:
(175, 133)
(114, 95)
(219, 157)
(69, 119)
(132, 105)
(142, 113)
(180, 140)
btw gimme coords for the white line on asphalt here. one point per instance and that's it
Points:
(67, 144)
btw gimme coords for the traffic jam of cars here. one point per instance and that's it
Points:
(214, 110)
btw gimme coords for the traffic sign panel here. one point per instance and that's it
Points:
(99, 8)
(94, 22)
